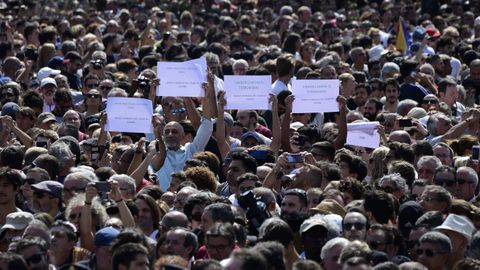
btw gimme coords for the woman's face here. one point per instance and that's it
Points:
(75, 215)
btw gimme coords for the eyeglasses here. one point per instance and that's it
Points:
(462, 181)
(354, 226)
(430, 101)
(444, 182)
(34, 259)
(388, 189)
(178, 111)
(8, 94)
(94, 96)
(428, 252)
(376, 244)
(93, 85)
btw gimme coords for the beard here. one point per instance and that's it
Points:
(369, 116)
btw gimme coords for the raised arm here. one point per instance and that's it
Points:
(341, 138)
(24, 138)
(276, 130)
(211, 86)
(285, 138)
(220, 133)
(161, 152)
(192, 113)
(139, 172)
(152, 95)
(137, 157)
(86, 235)
(125, 214)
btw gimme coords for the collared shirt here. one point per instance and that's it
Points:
(278, 86)
(175, 159)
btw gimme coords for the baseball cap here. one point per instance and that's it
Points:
(56, 62)
(253, 134)
(313, 222)
(419, 32)
(433, 33)
(46, 72)
(46, 117)
(10, 109)
(106, 236)
(48, 81)
(53, 188)
(17, 221)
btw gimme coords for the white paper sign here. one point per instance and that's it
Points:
(129, 115)
(363, 134)
(182, 79)
(247, 92)
(315, 96)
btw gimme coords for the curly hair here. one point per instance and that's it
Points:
(203, 178)
(352, 186)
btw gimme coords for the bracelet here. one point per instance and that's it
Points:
(121, 200)
(88, 203)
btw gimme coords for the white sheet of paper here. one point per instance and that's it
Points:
(315, 96)
(363, 134)
(247, 92)
(182, 79)
(129, 115)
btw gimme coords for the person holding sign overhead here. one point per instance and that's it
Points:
(176, 154)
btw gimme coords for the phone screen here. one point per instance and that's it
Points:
(294, 158)
(405, 122)
(475, 152)
(103, 187)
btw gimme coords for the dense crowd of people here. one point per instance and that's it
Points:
(211, 188)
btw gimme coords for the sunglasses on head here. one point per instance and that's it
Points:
(34, 259)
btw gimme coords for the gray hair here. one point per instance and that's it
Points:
(62, 152)
(432, 122)
(405, 106)
(412, 266)
(389, 67)
(441, 193)
(240, 61)
(211, 57)
(117, 92)
(125, 180)
(98, 210)
(397, 180)
(83, 175)
(338, 241)
(472, 175)
(429, 159)
(355, 249)
(436, 238)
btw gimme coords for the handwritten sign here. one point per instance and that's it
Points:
(315, 96)
(363, 134)
(247, 92)
(129, 115)
(182, 79)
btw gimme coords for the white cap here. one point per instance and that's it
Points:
(458, 224)
(46, 72)
(48, 80)
(376, 52)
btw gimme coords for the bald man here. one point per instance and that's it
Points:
(175, 154)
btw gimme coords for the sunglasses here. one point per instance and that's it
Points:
(74, 216)
(462, 181)
(34, 259)
(106, 87)
(428, 252)
(376, 244)
(7, 95)
(178, 111)
(93, 96)
(93, 85)
(430, 101)
(356, 225)
(445, 182)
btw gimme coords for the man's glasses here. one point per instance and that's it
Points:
(8, 94)
(430, 101)
(178, 111)
(34, 259)
(427, 252)
(94, 96)
(354, 226)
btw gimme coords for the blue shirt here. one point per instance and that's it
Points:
(412, 91)
(175, 159)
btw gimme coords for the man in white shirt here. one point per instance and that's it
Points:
(285, 72)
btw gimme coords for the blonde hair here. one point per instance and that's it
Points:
(45, 53)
